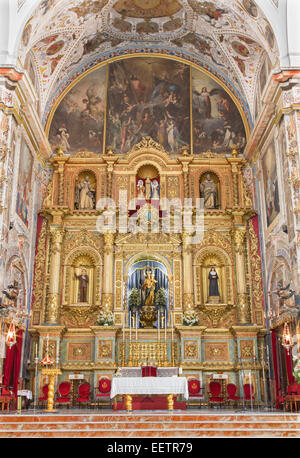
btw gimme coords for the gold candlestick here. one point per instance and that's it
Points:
(130, 355)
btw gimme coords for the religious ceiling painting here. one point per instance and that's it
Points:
(147, 8)
(78, 121)
(271, 190)
(24, 184)
(217, 123)
(118, 104)
(251, 7)
(148, 97)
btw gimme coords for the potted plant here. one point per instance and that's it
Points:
(161, 299)
(134, 300)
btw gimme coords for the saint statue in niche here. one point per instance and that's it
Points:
(83, 285)
(155, 190)
(148, 289)
(208, 191)
(140, 190)
(213, 283)
(84, 195)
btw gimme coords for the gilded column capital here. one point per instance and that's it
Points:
(108, 238)
(57, 234)
(239, 237)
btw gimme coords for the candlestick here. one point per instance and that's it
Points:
(158, 325)
(123, 326)
(136, 326)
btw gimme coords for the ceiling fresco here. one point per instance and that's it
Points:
(64, 38)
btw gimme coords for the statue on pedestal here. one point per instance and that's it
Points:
(208, 191)
(214, 293)
(85, 195)
(83, 285)
(148, 289)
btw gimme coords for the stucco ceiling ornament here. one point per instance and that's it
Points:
(63, 39)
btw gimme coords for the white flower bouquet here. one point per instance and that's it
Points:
(190, 318)
(105, 318)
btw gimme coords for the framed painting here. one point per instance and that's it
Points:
(24, 183)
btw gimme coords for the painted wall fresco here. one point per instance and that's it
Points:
(24, 184)
(147, 96)
(217, 124)
(270, 179)
(79, 119)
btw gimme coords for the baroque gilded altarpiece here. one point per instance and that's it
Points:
(229, 336)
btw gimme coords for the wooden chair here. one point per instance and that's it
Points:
(103, 395)
(42, 400)
(231, 397)
(195, 394)
(84, 391)
(214, 394)
(63, 397)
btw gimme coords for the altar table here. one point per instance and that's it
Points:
(130, 386)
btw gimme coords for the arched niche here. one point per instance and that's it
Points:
(85, 190)
(210, 190)
(83, 258)
(207, 258)
(147, 183)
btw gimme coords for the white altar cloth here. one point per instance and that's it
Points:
(149, 385)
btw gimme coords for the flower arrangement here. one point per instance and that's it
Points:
(297, 371)
(105, 318)
(190, 318)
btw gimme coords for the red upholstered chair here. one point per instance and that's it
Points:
(104, 388)
(292, 397)
(231, 397)
(149, 371)
(195, 395)
(84, 391)
(43, 399)
(6, 397)
(64, 397)
(248, 393)
(214, 394)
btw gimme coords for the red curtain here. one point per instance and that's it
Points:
(13, 362)
(275, 360)
(289, 366)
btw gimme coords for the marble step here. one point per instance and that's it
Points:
(135, 425)
(176, 433)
